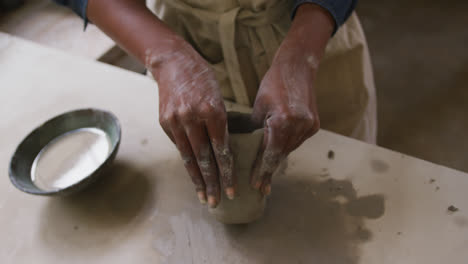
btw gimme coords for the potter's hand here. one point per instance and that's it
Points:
(192, 113)
(285, 101)
(286, 105)
(191, 108)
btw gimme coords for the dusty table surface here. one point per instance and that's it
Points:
(366, 205)
(50, 24)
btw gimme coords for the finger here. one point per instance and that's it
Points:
(190, 161)
(166, 126)
(272, 153)
(197, 135)
(296, 140)
(169, 134)
(259, 113)
(289, 141)
(271, 162)
(272, 159)
(303, 130)
(219, 137)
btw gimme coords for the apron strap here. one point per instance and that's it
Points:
(227, 32)
(268, 39)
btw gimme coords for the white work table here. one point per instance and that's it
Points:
(50, 24)
(366, 205)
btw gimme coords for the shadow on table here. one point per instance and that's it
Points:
(308, 221)
(95, 218)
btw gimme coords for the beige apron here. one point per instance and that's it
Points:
(239, 39)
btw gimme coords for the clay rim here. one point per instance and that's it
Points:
(241, 123)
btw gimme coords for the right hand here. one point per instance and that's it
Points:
(192, 113)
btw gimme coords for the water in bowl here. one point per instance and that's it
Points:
(70, 158)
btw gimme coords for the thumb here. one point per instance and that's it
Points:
(259, 113)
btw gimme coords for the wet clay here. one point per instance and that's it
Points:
(245, 140)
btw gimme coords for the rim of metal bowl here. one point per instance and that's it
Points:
(83, 182)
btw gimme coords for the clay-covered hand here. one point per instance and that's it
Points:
(285, 101)
(192, 113)
(285, 104)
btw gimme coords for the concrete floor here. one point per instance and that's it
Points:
(420, 58)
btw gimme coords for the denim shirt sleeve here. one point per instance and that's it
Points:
(78, 6)
(339, 9)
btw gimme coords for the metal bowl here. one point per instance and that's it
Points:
(66, 153)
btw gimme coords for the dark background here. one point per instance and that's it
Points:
(419, 51)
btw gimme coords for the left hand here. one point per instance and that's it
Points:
(286, 104)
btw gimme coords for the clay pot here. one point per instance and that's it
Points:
(245, 141)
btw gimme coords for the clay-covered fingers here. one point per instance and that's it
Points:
(190, 136)
(283, 134)
(188, 93)
(216, 124)
(190, 161)
(201, 147)
(270, 156)
(167, 130)
(200, 134)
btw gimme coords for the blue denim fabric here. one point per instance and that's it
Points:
(339, 9)
(78, 6)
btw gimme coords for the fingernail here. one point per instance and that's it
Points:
(201, 197)
(257, 185)
(212, 201)
(267, 190)
(230, 193)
